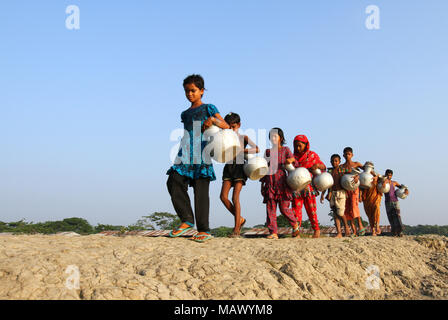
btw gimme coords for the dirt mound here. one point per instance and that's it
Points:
(135, 267)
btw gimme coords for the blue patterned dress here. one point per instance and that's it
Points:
(190, 162)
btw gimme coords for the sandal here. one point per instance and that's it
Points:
(273, 236)
(202, 237)
(362, 232)
(296, 231)
(180, 231)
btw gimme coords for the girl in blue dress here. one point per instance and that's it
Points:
(191, 168)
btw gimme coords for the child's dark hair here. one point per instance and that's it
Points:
(280, 133)
(348, 149)
(389, 171)
(232, 118)
(335, 156)
(196, 79)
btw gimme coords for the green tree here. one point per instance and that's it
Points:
(158, 220)
(77, 225)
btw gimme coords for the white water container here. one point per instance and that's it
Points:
(256, 167)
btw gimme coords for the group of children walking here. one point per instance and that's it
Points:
(274, 187)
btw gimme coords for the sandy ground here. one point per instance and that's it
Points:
(135, 267)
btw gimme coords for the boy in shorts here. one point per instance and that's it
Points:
(337, 196)
(234, 177)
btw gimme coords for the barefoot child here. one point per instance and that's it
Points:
(274, 188)
(190, 168)
(393, 206)
(372, 202)
(310, 160)
(337, 196)
(233, 175)
(352, 204)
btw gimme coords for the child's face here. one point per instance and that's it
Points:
(275, 139)
(193, 93)
(348, 155)
(335, 162)
(235, 126)
(389, 176)
(299, 146)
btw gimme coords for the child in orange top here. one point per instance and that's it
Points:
(372, 202)
(352, 208)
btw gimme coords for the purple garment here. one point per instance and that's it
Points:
(390, 196)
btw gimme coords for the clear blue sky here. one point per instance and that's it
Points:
(86, 115)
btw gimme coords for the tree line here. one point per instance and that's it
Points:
(158, 221)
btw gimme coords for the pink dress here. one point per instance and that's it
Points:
(274, 186)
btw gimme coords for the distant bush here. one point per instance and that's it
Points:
(164, 221)
(221, 232)
(107, 227)
(425, 229)
(77, 225)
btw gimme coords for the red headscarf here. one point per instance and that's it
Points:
(307, 158)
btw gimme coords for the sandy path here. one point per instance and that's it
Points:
(134, 267)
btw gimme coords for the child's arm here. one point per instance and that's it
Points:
(322, 196)
(220, 122)
(320, 166)
(254, 148)
(396, 184)
(216, 120)
(289, 157)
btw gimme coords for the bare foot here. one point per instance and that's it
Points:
(316, 234)
(242, 223)
(339, 235)
(235, 235)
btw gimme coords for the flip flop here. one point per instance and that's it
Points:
(182, 230)
(202, 237)
(272, 237)
(362, 232)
